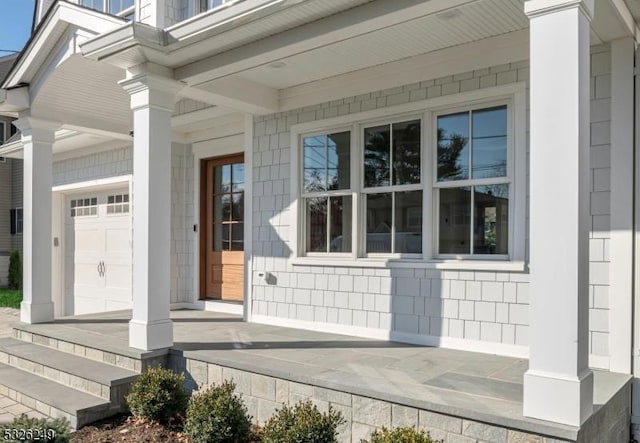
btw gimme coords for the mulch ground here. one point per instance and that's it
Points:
(128, 429)
(124, 428)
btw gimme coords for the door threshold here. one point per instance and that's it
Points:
(224, 306)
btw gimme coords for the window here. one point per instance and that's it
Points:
(327, 192)
(118, 204)
(13, 130)
(440, 182)
(228, 204)
(472, 182)
(2, 133)
(122, 8)
(16, 221)
(392, 184)
(205, 5)
(83, 207)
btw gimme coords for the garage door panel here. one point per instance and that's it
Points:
(118, 276)
(118, 240)
(98, 255)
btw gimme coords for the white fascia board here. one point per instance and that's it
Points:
(148, 41)
(63, 15)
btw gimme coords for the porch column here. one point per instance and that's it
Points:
(152, 101)
(37, 139)
(559, 384)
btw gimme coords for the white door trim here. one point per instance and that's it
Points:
(59, 194)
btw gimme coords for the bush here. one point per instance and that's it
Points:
(158, 394)
(400, 435)
(303, 424)
(14, 279)
(26, 429)
(217, 415)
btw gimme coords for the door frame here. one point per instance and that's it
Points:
(59, 196)
(202, 220)
(218, 147)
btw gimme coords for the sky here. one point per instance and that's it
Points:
(15, 24)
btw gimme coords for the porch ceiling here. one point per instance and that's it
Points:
(82, 93)
(452, 27)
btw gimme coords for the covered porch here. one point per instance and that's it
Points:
(373, 383)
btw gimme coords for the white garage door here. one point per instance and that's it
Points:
(98, 252)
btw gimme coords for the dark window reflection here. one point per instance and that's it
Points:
(490, 142)
(327, 162)
(408, 221)
(455, 221)
(453, 152)
(377, 156)
(228, 207)
(316, 216)
(379, 222)
(340, 224)
(406, 153)
(491, 219)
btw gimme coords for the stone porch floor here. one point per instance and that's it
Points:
(481, 387)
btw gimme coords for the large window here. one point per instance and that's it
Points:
(326, 191)
(472, 182)
(392, 184)
(435, 185)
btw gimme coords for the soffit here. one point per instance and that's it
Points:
(468, 23)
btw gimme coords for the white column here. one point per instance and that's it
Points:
(559, 384)
(621, 243)
(152, 101)
(37, 139)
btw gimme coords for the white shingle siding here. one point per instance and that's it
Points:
(488, 306)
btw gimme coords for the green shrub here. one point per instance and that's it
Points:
(158, 394)
(14, 279)
(303, 424)
(217, 415)
(400, 435)
(26, 429)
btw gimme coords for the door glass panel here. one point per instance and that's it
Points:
(226, 237)
(237, 237)
(238, 207)
(237, 177)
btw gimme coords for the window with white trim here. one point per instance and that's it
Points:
(16, 221)
(472, 182)
(392, 187)
(434, 183)
(326, 192)
(3, 136)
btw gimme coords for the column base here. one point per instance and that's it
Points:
(149, 336)
(558, 398)
(36, 312)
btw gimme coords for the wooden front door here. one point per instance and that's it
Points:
(222, 236)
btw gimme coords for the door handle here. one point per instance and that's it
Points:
(101, 269)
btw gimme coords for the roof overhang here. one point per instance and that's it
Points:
(58, 20)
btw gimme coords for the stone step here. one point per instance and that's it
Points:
(53, 399)
(93, 377)
(90, 345)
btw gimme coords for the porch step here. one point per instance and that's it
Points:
(53, 399)
(90, 376)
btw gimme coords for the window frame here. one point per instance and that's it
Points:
(471, 182)
(390, 188)
(303, 196)
(513, 95)
(3, 132)
(122, 14)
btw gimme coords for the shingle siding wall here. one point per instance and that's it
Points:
(486, 306)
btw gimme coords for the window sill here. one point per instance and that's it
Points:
(459, 265)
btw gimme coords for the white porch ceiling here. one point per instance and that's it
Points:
(634, 8)
(475, 21)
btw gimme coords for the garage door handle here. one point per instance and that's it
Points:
(101, 269)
